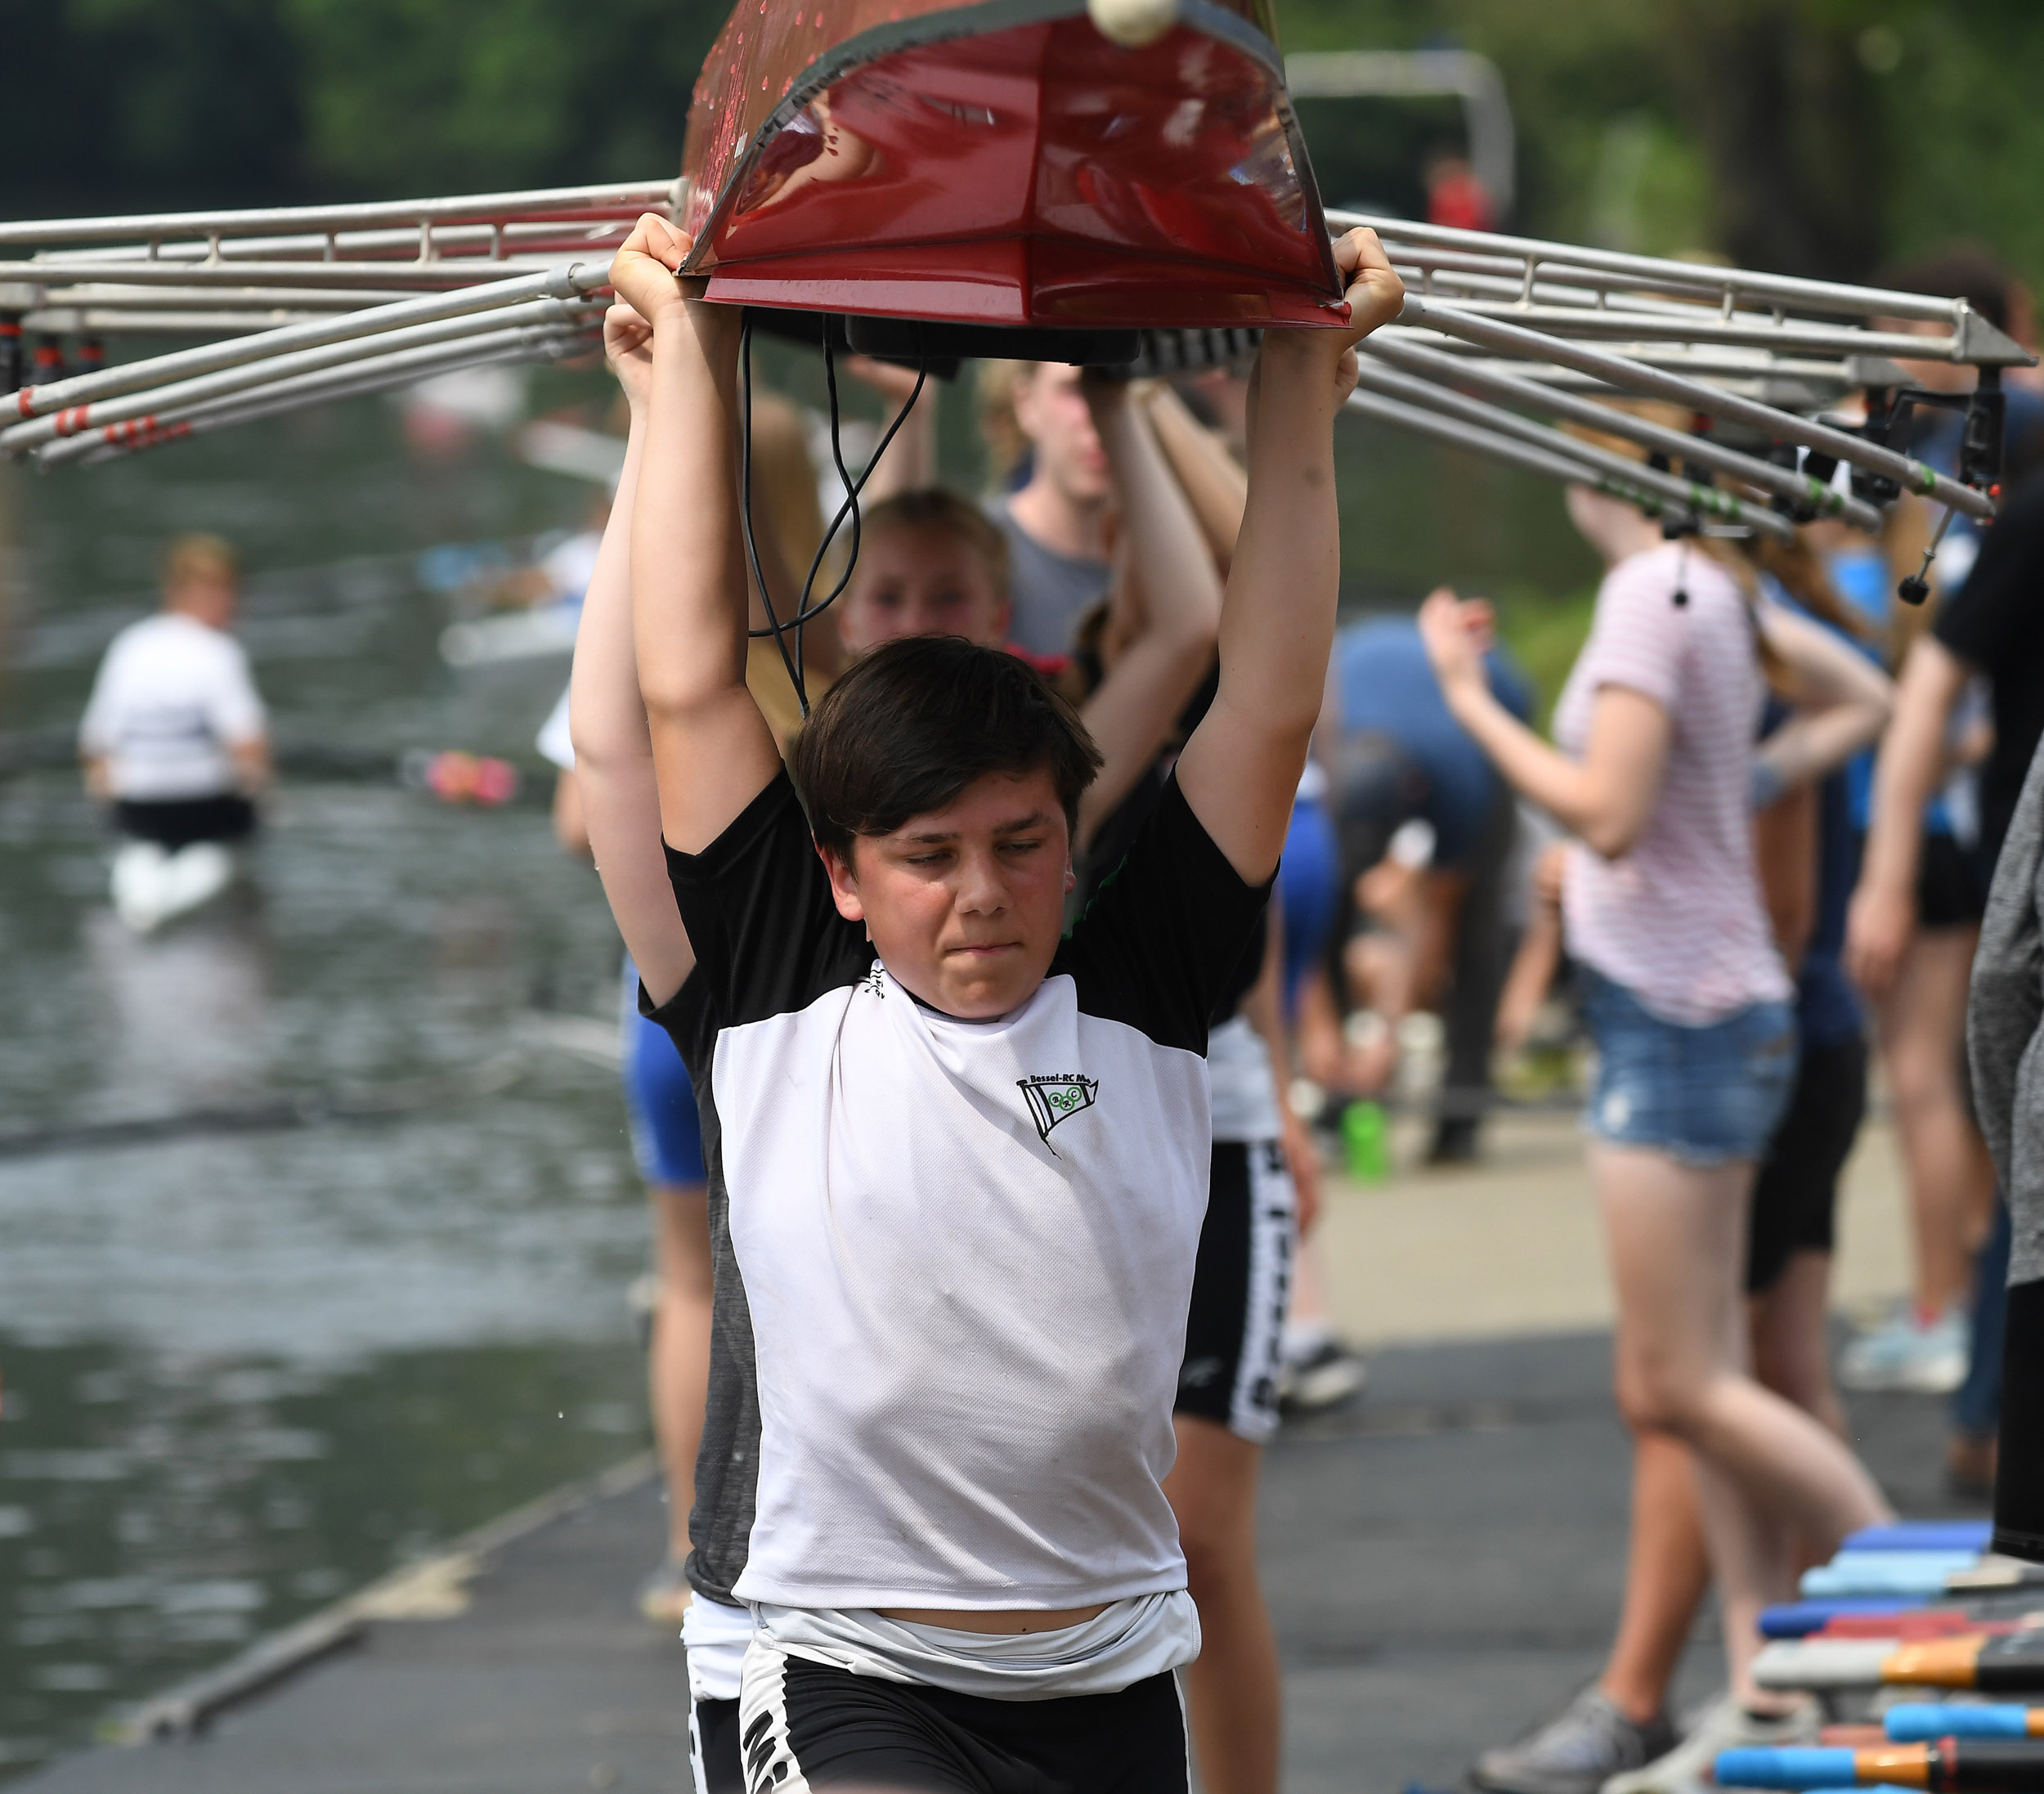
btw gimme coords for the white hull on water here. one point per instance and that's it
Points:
(151, 885)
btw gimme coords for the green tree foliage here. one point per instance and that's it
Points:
(409, 96)
(121, 104)
(1959, 95)
(1817, 136)
(125, 105)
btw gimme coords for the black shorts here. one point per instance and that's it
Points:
(1950, 891)
(179, 822)
(1241, 1286)
(713, 1749)
(1795, 1195)
(816, 1726)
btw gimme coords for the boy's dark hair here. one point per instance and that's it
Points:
(915, 721)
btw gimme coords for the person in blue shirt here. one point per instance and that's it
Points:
(1396, 757)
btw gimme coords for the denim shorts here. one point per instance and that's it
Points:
(1704, 1095)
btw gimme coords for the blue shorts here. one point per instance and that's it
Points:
(659, 1098)
(1707, 1096)
(1310, 889)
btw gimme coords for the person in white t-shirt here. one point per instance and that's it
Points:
(175, 736)
(967, 1158)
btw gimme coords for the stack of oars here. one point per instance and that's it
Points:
(1902, 1608)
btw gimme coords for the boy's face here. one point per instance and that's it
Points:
(966, 904)
(1050, 405)
(914, 581)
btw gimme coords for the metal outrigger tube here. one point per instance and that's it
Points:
(1503, 333)
(1502, 338)
(1700, 501)
(1567, 469)
(291, 292)
(1805, 493)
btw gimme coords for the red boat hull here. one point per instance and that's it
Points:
(1004, 165)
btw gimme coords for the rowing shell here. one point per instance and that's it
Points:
(1005, 164)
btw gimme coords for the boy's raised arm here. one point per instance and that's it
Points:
(1161, 665)
(1242, 766)
(713, 753)
(613, 777)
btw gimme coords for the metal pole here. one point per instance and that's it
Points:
(1673, 322)
(485, 242)
(1726, 285)
(250, 410)
(1702, 500)
(572, 281)
(168, 400)
(1801, 488)
(1738, 370)
(439, 271)
(1635, 376)
(118, 321)
(1519, 454)
(482, 207)
(113, 291)
(392, 370)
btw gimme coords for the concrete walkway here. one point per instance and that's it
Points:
(1443, 1557)
(1511, 1245)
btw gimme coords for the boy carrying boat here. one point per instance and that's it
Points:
(971, 1155)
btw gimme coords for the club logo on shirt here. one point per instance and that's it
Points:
(1053, 1099)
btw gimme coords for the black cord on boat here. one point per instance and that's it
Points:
(791, 662)
(807, 613)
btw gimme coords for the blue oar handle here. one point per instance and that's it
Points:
(1787, 1767)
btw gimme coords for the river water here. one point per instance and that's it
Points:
(250, 1365)
(257, 1345)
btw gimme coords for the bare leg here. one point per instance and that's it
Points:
(1308, 1311)
(1236, 1696)
(1677, 1237)
(677, 1371)
(1667, 1573)
(1667, 1569)
(1321, 1045)
(1951, 1177)
(1791, 1353)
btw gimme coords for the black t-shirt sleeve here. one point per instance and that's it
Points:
(1993, 614)
(757, 904)
(1157, 948)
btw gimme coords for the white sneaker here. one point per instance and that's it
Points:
(1325, 1377)
(1723, 1726)
(1903, 1353)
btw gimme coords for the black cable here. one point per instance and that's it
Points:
(745, 517)
(808, 612)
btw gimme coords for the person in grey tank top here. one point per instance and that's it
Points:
(1055, 523)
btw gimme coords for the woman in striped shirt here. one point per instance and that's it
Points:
(1690, 1006)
